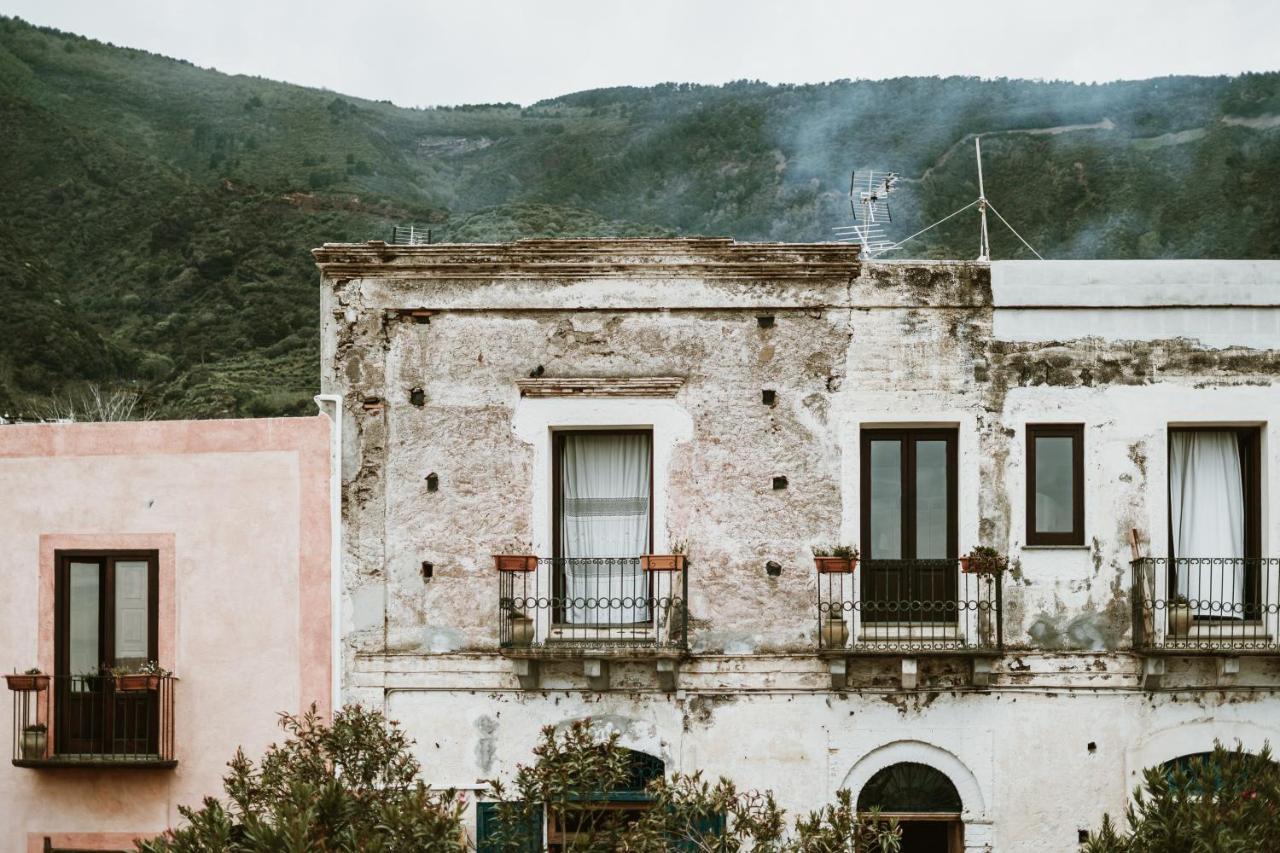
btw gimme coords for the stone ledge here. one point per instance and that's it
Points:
(601, 386)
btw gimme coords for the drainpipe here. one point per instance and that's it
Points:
(331, 405)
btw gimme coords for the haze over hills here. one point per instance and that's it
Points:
(156, 218)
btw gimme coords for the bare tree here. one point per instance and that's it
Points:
(95, 405)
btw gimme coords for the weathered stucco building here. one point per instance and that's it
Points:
(1111, 427)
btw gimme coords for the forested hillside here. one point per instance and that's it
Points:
(156, 218)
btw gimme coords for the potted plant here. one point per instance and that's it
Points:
(32, 679)
(834, 630)
(138, 678)
(521, 627)
(1179, 619)
(515, 558)
(672, 562)
(836, 560)
(35, 740)
(984, 560)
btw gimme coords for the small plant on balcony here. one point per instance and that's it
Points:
(515, 557)
(31, 679)
(138, 678)
(1179, 616)
(521, 627)
(35, 740)
(674, 561)
(835, 559)
(984, 560)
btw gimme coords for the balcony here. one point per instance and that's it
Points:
(88, 721)
(909, 609)
(1206, 606)
(597, 609)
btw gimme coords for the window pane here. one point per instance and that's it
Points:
(1054, 484)
(886, 501)
(931, 500)
(131, 612)
(83, 597)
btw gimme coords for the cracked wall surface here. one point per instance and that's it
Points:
(426, 345)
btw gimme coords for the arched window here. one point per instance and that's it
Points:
(910, 788)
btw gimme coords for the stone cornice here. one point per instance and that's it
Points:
(718, 258)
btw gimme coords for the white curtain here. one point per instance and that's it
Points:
(1206, 502)
(604, 496)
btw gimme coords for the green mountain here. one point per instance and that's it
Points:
(156, 218)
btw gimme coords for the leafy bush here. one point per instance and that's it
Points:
(346, 787)
(1226, 802)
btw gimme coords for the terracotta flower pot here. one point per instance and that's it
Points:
(835, 631)
(1179, 623)
(137, 682)
(515, 562)
(662, 562)
(835, 565)
(27, 682)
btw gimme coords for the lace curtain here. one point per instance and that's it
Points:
(1206, 505)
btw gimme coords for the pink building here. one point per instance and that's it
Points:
(203, 545)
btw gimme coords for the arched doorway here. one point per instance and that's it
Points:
(925, 803)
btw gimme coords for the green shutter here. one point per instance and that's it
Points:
(489, 824)
(706, 827)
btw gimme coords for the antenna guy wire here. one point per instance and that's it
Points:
(1011, 228)
(942, 220)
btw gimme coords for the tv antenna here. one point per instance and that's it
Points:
(869, 205)
(875, 209)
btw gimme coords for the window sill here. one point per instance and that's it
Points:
(1056, 547)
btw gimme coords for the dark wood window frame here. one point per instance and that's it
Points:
(908, 438)
(1075, 432)
(89, 714)
(106, 596)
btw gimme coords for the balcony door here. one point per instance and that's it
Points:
(1215, 520)
(105, 616)
(909, 527)
(603, 523)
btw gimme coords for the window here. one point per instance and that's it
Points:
(909, 522)
(603, 516)
(1055, 484)
(105, 616)
(924, 802)
(1215, 519)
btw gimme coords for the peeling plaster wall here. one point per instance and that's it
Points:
(851, 345)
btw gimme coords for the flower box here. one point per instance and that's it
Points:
(835, 565)
(23, 681)
(662, 562)
(137, 682)
(515, 562)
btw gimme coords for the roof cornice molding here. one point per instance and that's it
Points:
(590, 259)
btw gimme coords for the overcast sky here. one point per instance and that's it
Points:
(422, 52)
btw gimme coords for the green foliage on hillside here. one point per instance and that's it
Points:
(156, 218)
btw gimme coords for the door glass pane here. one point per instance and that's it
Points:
(131, 613)
(83, 597)
(1054, 475)
(886, 500)
(931, 500)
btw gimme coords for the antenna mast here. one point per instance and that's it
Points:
(984, 247)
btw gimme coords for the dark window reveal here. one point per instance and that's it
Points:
(1055, 484)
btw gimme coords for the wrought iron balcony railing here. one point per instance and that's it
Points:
(608, 604)
(909, 606)
(1207, 604)
(90, 721)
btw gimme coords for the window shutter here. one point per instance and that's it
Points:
(489, 823)
(704, 828)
